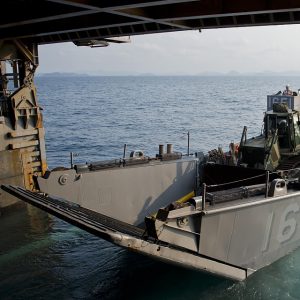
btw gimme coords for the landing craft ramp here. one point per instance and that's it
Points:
(126, 235)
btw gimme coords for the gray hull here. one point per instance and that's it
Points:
(252, 235)
(128, 194)
(231, 239)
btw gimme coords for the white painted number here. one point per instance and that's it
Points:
(287, 226)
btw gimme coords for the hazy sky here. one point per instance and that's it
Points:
(271, 48)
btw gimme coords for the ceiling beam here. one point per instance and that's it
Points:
(94, 34)
(118, 4)
(46, 18)
(81, 23)
(214, 8)
(106, 6)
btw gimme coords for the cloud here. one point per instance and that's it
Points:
(248, 49)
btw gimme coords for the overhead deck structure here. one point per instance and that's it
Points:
(55, 21)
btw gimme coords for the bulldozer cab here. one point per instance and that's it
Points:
(282, 123)
(288, 129)
(280, 140)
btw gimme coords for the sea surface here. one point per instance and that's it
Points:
(42, 257)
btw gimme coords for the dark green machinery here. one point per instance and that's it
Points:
(278, 146)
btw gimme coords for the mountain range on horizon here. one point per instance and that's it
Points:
(204, 73)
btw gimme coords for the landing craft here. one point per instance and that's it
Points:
(204, 214)
(185, 210)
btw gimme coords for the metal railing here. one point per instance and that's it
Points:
(224, 195)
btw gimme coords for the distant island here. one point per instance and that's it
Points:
(234, 73)
(61, 74)
(231, 73)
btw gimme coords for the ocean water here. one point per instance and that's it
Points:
(42, 257)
